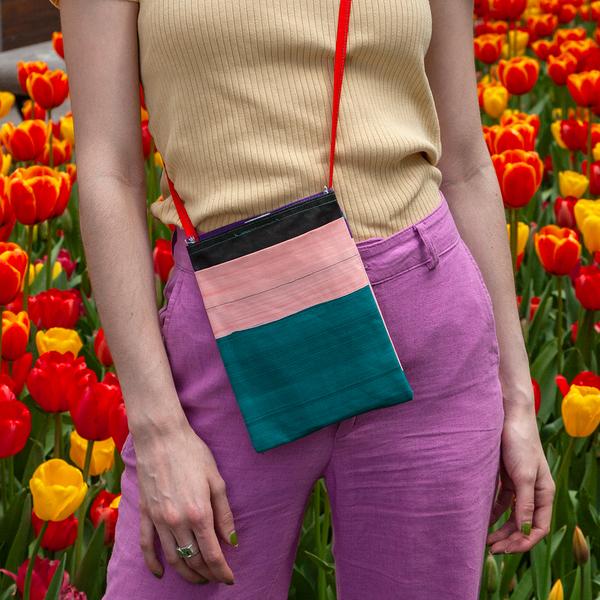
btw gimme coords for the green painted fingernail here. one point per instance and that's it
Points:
(526, 528)
(159, 575)
(233, 538)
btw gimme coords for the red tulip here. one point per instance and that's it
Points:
(585, 87)
(507, 10)
(518, 74)
(14, 373)
(101, 510)
(38, 193)
(561, 66)
(558, 249)
(163, 258)
(41, 576)
(57, 43)
(13, 265)
(31, 110)
(587, 378)
(564, 211)
(537, 395)
(56, 308)
(117, 423)
(574, 134)
(575, 326)
(15, 334)
(519, 174)
(25, 141)
(49, 89)
(587, 287)
(59, 534)
(91, 403)
(24, 69)
(488, 47)
(101, 348)
(51, 378)
(66, 262)
(15, 423)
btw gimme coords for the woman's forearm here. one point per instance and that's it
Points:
(476, 204)
(119, 259)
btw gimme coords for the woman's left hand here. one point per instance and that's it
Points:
(526, 483)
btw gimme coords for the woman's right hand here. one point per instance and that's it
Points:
(183, 497)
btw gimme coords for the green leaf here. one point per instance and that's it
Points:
(18, 549)
(53, 591)
(90, 575)
(323, 564)
(509, 568)
(524, 588)
(10, 522)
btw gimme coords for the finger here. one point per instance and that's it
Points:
(501, 504)
(544, 500)
(169, 546)
(147, 545)
(222, 514)
(184, 536)
(204, 529)
(525, 504)
(518, 542)
(503, 533)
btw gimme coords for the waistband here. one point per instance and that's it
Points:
(419, 244)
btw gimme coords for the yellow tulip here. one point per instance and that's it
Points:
(158, 161)
(555, 130)
(34, 270)
(103, 453)
(587, 217)
(596, 151)
(115, 503)
(521, 38)
(58, 490)
(581, 410)
(495, 100)
(572, 183)
(58, 338)
(522, 235)
(6, 103)
(581, 550)
(5, 163)
(67, 130)
(557, 592)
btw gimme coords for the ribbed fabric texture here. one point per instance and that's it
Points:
(240, 94)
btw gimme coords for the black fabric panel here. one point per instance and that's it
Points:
(261, 233)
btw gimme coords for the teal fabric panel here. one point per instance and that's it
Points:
(316, 367)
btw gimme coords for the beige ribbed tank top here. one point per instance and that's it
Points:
(239, 95)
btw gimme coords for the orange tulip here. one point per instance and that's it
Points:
(38, 193)
(13, 265)
(49, 89)
(519, 174)
(7, 99)
(15, 334)
(25, 141)
(558, 249)
(585, 87)
(57, 43)
(24, 69)
(518, 74)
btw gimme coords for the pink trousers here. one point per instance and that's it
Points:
(411, 486)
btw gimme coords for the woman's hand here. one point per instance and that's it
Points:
(526, 483)
(183, 498)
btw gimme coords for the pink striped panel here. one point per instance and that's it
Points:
(320, 265)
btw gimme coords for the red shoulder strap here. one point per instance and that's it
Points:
(338, 76)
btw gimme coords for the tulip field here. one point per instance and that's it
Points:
(63, 419)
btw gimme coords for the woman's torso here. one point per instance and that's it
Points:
(239, 96)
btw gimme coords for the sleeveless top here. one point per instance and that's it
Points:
(239, 96)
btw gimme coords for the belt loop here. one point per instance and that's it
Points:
(433, 258)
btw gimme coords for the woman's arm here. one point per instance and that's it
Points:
(471, 187)
(176, 471)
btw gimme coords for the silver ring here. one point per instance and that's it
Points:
(187, 551)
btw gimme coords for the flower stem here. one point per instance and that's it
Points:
(80, 514)
(585, 334)
(29, 263)
(48, 252)
(512, 212)
(36, 547)
(559, 321)
(57, 435)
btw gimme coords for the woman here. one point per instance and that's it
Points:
(239, 97)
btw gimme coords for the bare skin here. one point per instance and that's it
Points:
(473, 193)
(182, 495)
(180, 501)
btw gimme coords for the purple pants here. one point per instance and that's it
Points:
(411, 486)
